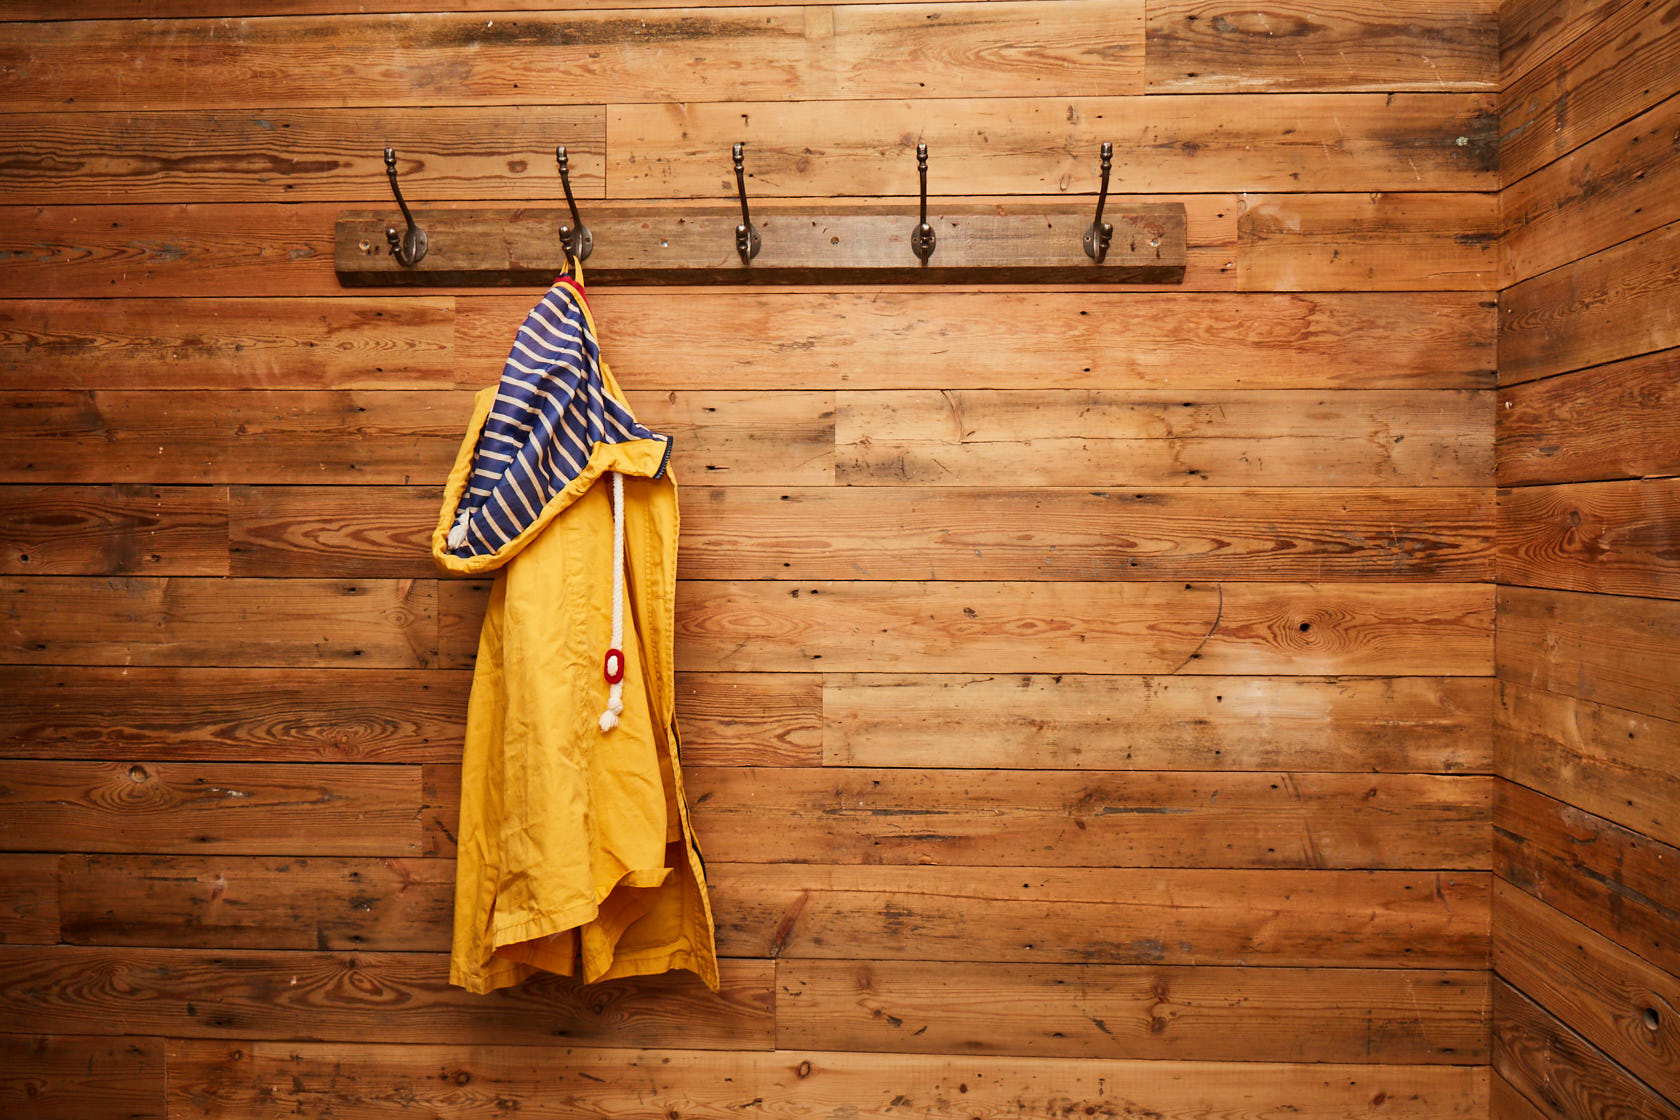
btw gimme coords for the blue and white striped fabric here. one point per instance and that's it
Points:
(551, 410)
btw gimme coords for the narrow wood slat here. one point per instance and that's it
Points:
(1083, 818)
(1218, 47)
(359, 437)
(223, 1081)
(354, 715)
(235, 808)
(886, 340)
(1616, 1001)
(209, 713)
(341, 342)
(65, 620)
(1015, 241)
(1112, 1012)
(1607, 760)
(1333, 242)
(246, 994)
(1434, 534)
(1156, 437)
(1533, 32)
(1565, 1076)
(29, 903)
(1021, 340)
(1337, 142)
(1087, 47)
(1506, 1102)
(258, 902)
(1623, 885)
(50, 1077)
(1137, 916)
(113, 530)
(1612, 537)
(200, 155)
(1303, 242)
(1042, 916)
(1615, 304)
(1365, 629)
(1627, 61)
(1616, 421)
(1395, 725)
(219, 9)
(1607, 649)
(1617, 187)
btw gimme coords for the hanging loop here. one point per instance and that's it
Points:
(408, 248)
(922, 242)
(747, 240)
(577, 239)
(1099, 233)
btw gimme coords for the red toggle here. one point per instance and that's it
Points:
(613, 667)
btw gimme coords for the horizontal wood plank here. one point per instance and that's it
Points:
(340, 342)
(1086, 47)
(29, 904)
(1090, 818)
(1426, 534)
(1611, 537)
(1289, 242)
(1506, 1102)
(1031, 339)
(1606, 649)
(200, 155)
(223, 1081)
(1617, 187)
(1615, 421)
(294, 714)
(1615, 304)
(1398, 725)
(1360, 629)
(141, 620)
(1117, 1012)
(1623, 885)
(1607, 760)
(1319, 919)
(829, 340)
(1415, 142)
(233, 808)
(1616, 1001)
(962, 437)
(1626, 61)
(1532, 32)
(248, 994)
(1209, 45)
(1559, 1071)
(257, 902)
(359, 437)
(1336, 242)
(50, 1077)
(113, 530)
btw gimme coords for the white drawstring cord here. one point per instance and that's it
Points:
(615, 673)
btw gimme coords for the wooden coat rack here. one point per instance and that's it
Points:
(707, 244)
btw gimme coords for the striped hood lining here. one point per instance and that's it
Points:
(552, 408)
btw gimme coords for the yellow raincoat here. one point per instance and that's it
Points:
(575, 851)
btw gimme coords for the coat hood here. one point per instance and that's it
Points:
(539, 438)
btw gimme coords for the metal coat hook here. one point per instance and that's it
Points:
(747, 241)
(577, 239)
(922, 242)
(1099, 233)
(409, 248)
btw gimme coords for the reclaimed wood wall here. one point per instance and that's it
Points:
(1587, 726)
(1087, 693)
